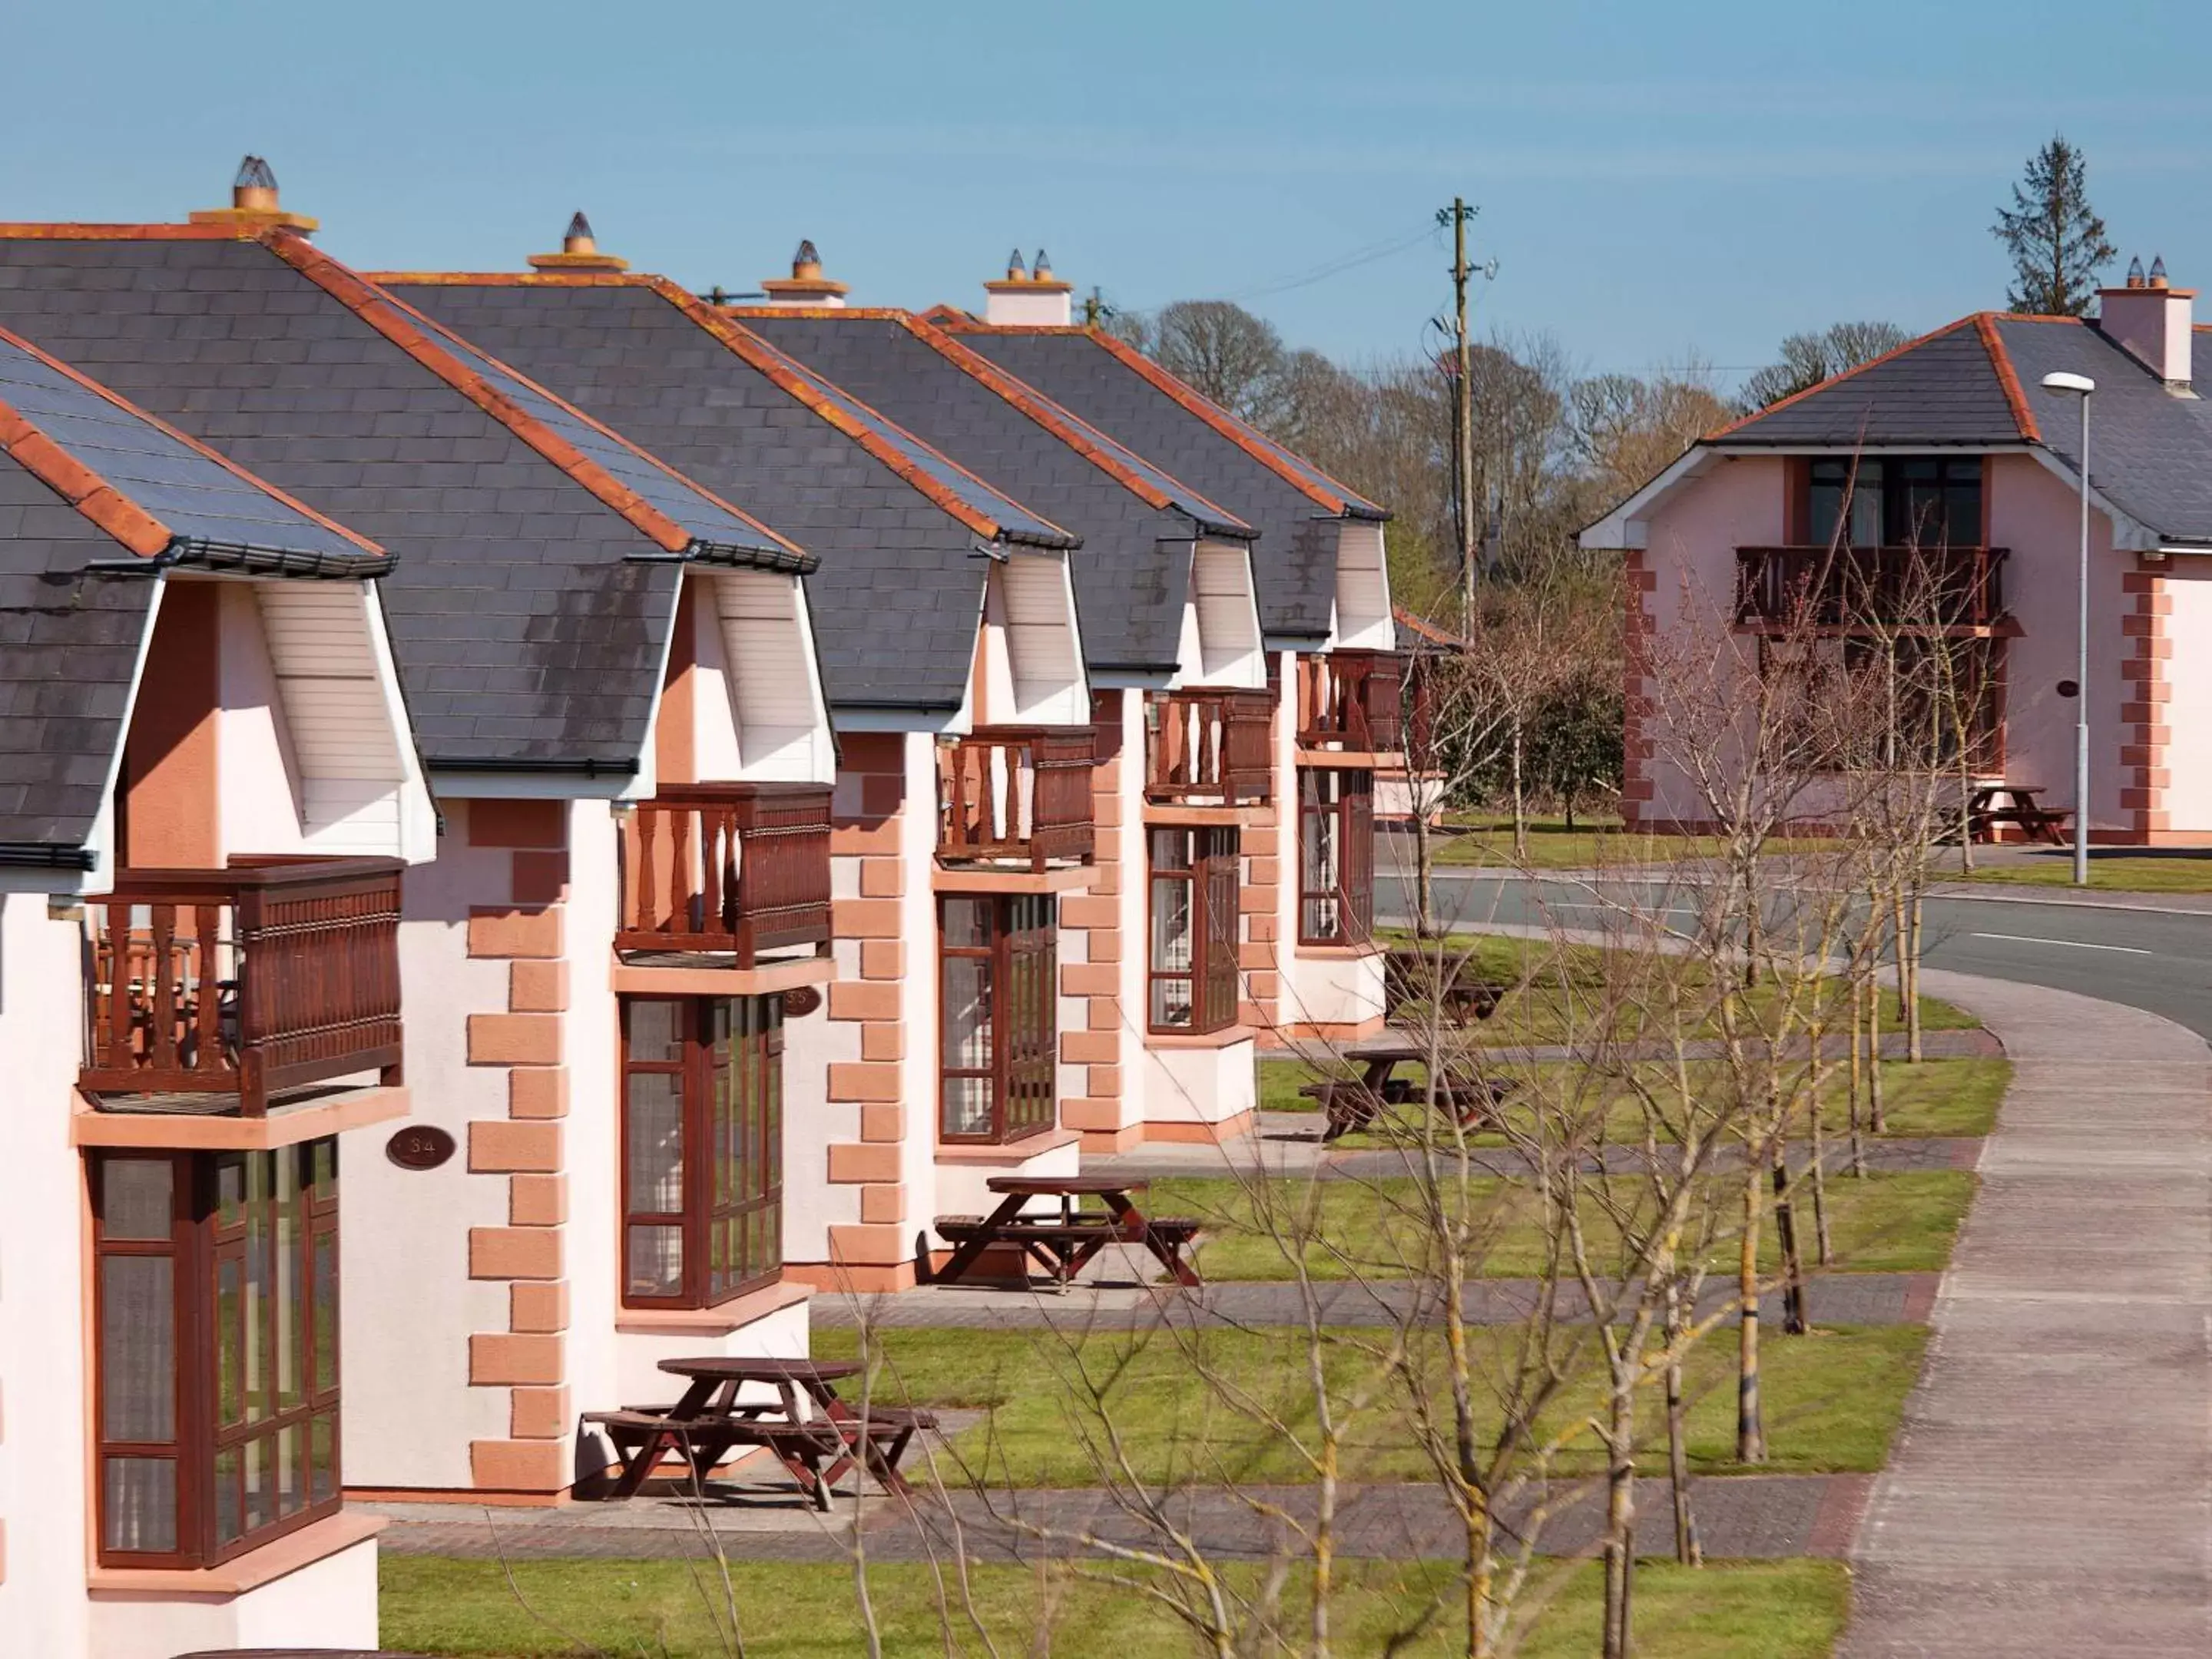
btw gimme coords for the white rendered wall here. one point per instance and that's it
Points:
(1199, 1085)
(257, 769)
(1334, 989)
(2188, 673)
(44, 1392)
(1134, 912)
(591, 1037)
(330, 1603)
(1363, 588)
(638, 1378)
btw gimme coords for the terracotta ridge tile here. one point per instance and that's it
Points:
(192, 444)
(778, 367)
(2001, 360)
(125, 233)
(395, 322)
(84, 489)
(1742, 421)
(498, 278)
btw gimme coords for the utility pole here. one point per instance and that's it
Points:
(1463, 407)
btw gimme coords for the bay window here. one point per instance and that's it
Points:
(1336, 855)
(217, 1377)
(998, 980)
(702, 1148)
(1194, 930)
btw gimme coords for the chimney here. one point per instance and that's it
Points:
(2152, 320)
(806, 285)
(1031, 297)
(253, 204)
(579, 251)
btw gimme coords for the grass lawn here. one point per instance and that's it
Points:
(1480, 840)
(1935, 1097)
(1832, 1399)
(1571, 993)
(2172, 874)
(430, 1604)
(1347, 1229)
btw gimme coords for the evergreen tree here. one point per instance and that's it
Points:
(2055, 242)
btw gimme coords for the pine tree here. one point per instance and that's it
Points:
(2055, 242)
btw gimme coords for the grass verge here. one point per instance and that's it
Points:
(2111, 875)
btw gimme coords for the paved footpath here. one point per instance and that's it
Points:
(2051, 1490)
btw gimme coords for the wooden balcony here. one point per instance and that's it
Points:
(1209, 748)
(214, 990)
(1351, 700)
(1016, 795)
(729, 870)
(1869, 588)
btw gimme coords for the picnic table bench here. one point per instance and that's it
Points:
(1351, 1103)
(1412, 974)
(1992, 804)
(1063, 1240)
(815, 1447)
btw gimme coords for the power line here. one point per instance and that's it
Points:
(1352, 261)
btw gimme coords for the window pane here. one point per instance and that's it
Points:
(1170, 849)
(230, 1190)
(134, 1193)
(323, 1453)
(1171, 925)
(138, 1504)
(656, 1261)
(291, 1469)
(1171, 1002)
(260, 1486)
(137, 1349)
(967, 1012)
(230, 1340)
(229, 1495)
(655, 1037)
(290, 1288)
(259, 1286)
(966, 923)
(327, 1312)
(654, 1128)
(966, 1106)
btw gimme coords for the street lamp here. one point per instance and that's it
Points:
(2081, 387)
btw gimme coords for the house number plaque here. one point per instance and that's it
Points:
(419, 1146)
(801, 1001)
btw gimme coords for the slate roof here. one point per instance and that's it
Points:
(1977, 383)
(1289, 501)
(529, 630)
(900, 528)
(1137, 519)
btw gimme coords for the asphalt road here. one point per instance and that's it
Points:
(2160, 962)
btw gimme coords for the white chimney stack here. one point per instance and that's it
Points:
(2153, 321)
(806, 285)
(1028, 297)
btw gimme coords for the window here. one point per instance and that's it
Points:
(1896, 501)
(1000, 981)
(702, 1148)
(1336, 855)
(216, 1304)
(1193, 936)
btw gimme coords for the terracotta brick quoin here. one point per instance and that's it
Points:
(541, 878)
(538, 1307)
(504, 931)
(882, 958)
(514, 1039)
(1105, 1014)
(883, 1123)
(852, 1164)
(883, 1206)
(870, 1245)
(538, 1201)
(1105, 945)
(1256, 955)
(883, 1041)
(883, 878)
(535, 1091)
(514, 1253)
(1089, 1048)
(536, 987)
(497, 1145)
(498, 1357)
(849, 999)
(1254, 900)
(1106, 880)
(863, 1080)
(1083, 1114)
(1081, 910)
(1265, 987)
(1084, 979)
(1262, 929)
(871, 751)
(1265, 872)
(863, 918)
(517, 824)
(875, 838)
(1105, 1082)
(882, 794)
(535, 1413)
(518, 1465)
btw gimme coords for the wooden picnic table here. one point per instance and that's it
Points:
(1063, 1240)
(709, 1422)
(1354, 1103)
(1991, 804)
(1411, 973)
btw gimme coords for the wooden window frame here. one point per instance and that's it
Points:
(1353, 891)
(1022, 948)
(712, 1206)
(200, 1245)
(1211, 873)
(1893, 491)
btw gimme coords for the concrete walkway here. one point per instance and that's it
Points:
(2051, 1490)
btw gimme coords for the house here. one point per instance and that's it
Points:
(1948, 451)
(210, 802)
(1324, 598)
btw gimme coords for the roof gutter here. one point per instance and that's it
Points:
(200, 553)
(566, 766)
(786, 562)
(45, 855)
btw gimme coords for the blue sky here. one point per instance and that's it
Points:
(1655, 182)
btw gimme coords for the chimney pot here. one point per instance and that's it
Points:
(2152, 322)
(579, 251)
(1041, 269)
(1029, 296)
(807, 263)
(806, 285)
(2135, 272)
(2158, 271)
(253, 204)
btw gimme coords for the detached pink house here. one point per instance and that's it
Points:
(1951, 443)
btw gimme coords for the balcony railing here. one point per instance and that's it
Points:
(731, 869)
(1014, 794)
(1869, 587)
(1208, 746)
(1351, 700)
(247, 981)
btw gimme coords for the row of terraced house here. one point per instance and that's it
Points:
(547, 819)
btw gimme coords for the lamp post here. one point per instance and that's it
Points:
(2080, 386)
